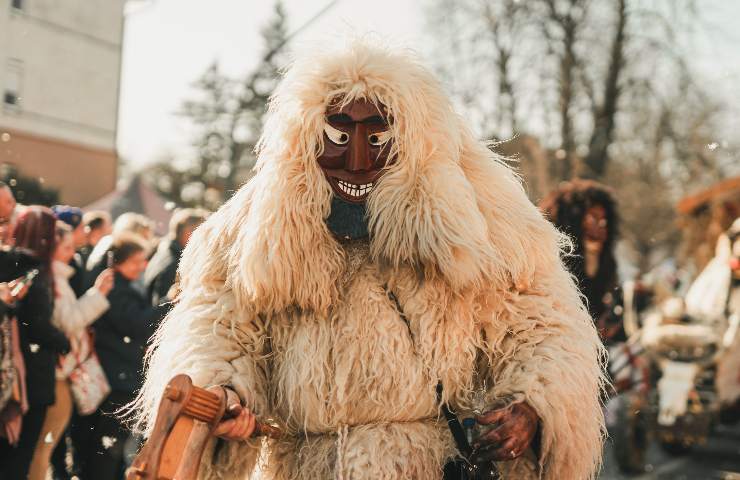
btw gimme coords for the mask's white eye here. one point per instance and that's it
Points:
(336, 136)
(379, 138)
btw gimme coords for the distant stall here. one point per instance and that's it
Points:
(703, 216)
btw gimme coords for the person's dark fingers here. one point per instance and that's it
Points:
(493, 437)
(493, 416)
(484, 454)
(505, 451)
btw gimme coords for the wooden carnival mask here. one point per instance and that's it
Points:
(357, 142)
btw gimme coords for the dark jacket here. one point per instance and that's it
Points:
(41, 342)
(161, 271)
(78, 280)
(15, 262)
(122, 333)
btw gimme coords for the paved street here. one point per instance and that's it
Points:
(719, 459)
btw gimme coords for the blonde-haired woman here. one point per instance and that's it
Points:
(72, 315)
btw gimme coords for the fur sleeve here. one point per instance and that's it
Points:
(549, 355)
(544, 347)
(207, 336)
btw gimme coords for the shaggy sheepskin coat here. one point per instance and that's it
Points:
(306, 329)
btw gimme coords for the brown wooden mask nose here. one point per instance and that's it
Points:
(358, 156)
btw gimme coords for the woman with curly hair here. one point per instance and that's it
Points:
(586, 211)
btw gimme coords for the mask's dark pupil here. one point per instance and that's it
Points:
(373, 139)
(343, 137)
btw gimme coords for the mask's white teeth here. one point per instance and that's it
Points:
(354, 190)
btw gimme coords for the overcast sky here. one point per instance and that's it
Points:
(169, 43)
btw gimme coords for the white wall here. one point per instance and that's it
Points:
(71, 54)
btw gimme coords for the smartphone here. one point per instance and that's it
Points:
(26, 280)
(110, 259)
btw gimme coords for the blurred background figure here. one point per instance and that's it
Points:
(7, 209)
(714, 297)
(162, 269)
(72, 316)
(98, 224)
(14, 265)
(586, 211)
(72, 216)
(121, 335)
(128, 222)
(40, 341)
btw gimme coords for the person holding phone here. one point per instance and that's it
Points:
(73, 316)
(121, 336)
(40, 341)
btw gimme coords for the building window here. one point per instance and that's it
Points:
(13, 76)
(17, 4)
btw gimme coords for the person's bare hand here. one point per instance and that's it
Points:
(6, 291)
(104, 282)
(515, 427)
(241, 423)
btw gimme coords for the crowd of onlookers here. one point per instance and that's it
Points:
(80, 297)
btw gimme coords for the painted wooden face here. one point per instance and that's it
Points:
(357, 142)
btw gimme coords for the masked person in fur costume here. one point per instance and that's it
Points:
(714, 299)
(379, 250)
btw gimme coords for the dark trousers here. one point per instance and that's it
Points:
(59, 457)
(80, 434)
(98, 440)
(15, 461)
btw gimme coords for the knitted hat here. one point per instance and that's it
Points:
(72, 216)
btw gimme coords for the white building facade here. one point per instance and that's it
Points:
(60, 65)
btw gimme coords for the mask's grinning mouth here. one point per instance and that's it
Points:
(354, 190)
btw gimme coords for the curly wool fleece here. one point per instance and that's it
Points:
(304, 330)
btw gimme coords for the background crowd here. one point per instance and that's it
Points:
(74, 336)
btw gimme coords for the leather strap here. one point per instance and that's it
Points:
(458, 433)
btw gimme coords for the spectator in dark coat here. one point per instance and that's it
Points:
(162, 269)
(40, 342)
(128, 222)
(121, 335)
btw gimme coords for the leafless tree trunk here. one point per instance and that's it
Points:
(561, 25)
(605, 115)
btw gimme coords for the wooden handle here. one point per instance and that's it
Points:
(185, 421)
